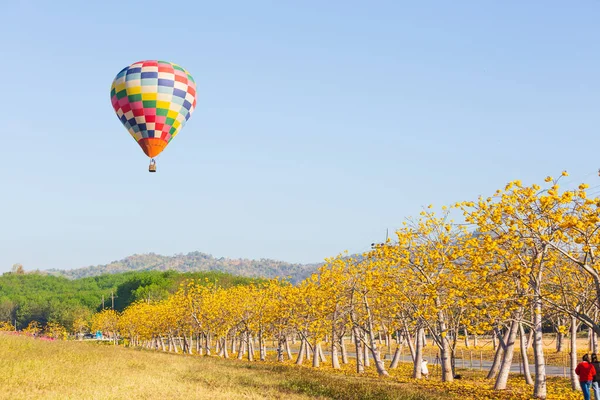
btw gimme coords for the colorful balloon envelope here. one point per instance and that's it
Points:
(153, 100)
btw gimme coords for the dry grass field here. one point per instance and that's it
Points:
(35, 369)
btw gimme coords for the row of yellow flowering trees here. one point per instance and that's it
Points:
(51, 330)
(521, 256)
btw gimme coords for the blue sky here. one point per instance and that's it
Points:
(318, 124)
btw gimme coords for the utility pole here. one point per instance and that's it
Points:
(103, 302)
(112, 296)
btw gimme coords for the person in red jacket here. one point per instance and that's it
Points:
(586, 372)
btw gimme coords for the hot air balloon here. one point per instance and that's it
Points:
(153, 100)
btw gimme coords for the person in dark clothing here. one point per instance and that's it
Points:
(596, 380)
(586, 372)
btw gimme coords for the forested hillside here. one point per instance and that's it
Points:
(44, 298)
(195, 262)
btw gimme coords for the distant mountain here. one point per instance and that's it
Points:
(196, 261)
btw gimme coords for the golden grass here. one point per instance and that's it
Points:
(34, 369)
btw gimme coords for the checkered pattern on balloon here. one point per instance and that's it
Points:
(153, 100)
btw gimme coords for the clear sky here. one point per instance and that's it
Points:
(319, 124)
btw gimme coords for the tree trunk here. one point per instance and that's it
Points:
(498, 356)
(162, 343)
(418, 357)
(560, 338)
(241, 347)
(409, 341)
(366, 358)
(446, 360)
(219, 347)
(233, 342)
(593, 340)
(224, 346)
(495, 341)
(316, 355)
(507, 358)
(575, 385)
(300, 358)
(396, 358)
(321, 353)
(280, 349)
(343, 348)
(335, 362)
(185, 348)
(493, 372)
(250, 347)
(379, 365)
(539, 391)
(360, 368)
(388, 342)
(287, 348)
(529, 339)
(522, 341)
(207, 343)
(261, 345)
(466, 337)
(595, 334)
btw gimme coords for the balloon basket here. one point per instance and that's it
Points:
(152, 167)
